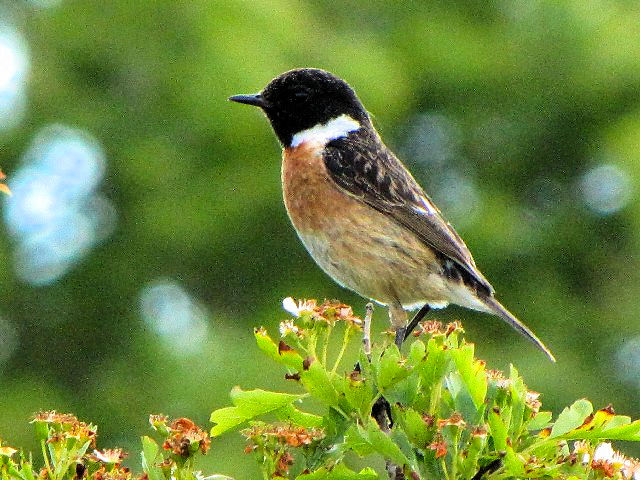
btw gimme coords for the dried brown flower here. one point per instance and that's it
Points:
(532, 401)
(66, 426)
(117, 473)
(455, 420)
(330, 311)
(184, 436)
(110, 455)
(452, 327)
(51, 416)
(290, 435)
(428, 327)
(284, 462)
(440, 448)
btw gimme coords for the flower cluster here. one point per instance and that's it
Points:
(329, 311)
(605, 460)
(60, 427)
(70, 441)
(435, 327)
(182, 436)
(110, 456)
(275, 442)
(291, 435)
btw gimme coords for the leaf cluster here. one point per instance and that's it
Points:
(448, 416)
(68, 448)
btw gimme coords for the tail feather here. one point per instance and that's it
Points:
(496, 308)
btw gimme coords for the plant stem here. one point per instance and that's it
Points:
(326, 345)
(444, 468)
(46, 458)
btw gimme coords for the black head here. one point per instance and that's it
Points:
(303, 98)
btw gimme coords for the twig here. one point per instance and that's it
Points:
(381, 410)
(366, 337)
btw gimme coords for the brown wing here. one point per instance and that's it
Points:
(368, 170)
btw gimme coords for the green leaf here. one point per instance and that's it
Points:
(353, 440)
(461, 396)
(434, 367)
(402, 441)
(417, 429)
(604, 425)
(359, 395)
(391, 369)
(382, 444)
(317, 382)
(226, 419)
(248, 404)
(288, 357)
(498, 430)
(149, 455)
(298, 417)
(42, 430)
(472, 372)
(417, 353)
(405, 391)
(339, 472)
(571, 417)
(540, 421)
(513, 464)
(476, 447)
(258, 402)
(518, 392)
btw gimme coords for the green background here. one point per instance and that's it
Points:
(520, 118)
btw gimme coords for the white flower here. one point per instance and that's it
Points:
(290, 305)
(288, 327)
(300, 308)
(604, 452)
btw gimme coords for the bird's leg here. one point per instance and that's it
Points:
(417, 318)
(398, 319)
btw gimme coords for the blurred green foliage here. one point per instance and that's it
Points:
(499, 108)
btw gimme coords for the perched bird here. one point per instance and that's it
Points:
(361, 215)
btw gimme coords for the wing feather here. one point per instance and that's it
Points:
(365, 168)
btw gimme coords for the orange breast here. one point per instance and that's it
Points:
(312, 199)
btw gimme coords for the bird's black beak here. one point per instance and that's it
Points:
(255, 100)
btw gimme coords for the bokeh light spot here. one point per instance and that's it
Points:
(434, 143)
(14, 63)
(55, 213)
(606, 189)
(628, 361)
(175, 316)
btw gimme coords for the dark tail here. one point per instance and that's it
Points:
(504, 314)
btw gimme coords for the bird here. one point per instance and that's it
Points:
(360, 213)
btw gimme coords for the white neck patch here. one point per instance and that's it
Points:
(325, 132)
